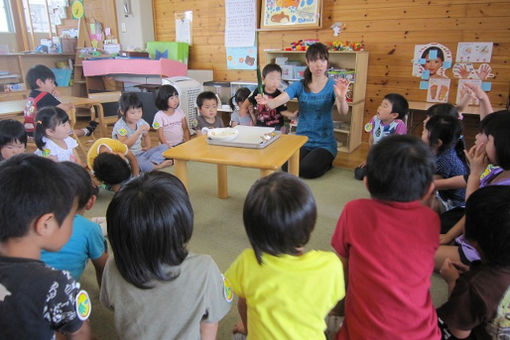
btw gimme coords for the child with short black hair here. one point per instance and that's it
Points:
(41, 81)
(150, 222)
(13, 138)
(112, 162)
(170, 121)
(387, 121)
(131, 128)
(207, 104)
(269, 117)
(37, 209)
(387, 245)
(239, 117)
(52, 135)
(477, 306)
(285, 292)
(87, 241)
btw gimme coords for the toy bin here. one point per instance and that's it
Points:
(168, 49)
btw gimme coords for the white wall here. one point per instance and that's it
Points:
(138, 27)
(10, 40)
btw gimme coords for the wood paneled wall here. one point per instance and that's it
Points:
(389, 29)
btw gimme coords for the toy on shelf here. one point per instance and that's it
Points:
(339, 45)
(301, 45)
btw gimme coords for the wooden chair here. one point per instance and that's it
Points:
(104, 97)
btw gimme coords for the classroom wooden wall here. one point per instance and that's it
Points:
(389, 29)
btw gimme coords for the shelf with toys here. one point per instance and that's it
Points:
(349, 64)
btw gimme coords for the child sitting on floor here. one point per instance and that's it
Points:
(13, 138)
(492, 146)
(157, 289)
(52, 135)
(477, 305)
(441, 133)
(131, 128)
(37, 210)
(387, 245)
(111, 162)
(285, 291)
(238, 117)
(207, 103)
(170, 121)
(87, 241)
(387, 121)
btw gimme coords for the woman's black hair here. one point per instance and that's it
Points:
(162, 95)
(399, 104)
(488, 223)
(240, 96)
(440, 53)
(47, 118)
(499, 128)
(111, 169)
(444, 128)
(279, 215)
(150, 221)
(12, 131)
(129, 100)
(314, 52)
(81, 182)
(31, 186)
(399, 168)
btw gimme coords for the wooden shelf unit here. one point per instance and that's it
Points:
(348, 137)
(20, 63)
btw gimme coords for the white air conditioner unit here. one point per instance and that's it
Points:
(188, 90)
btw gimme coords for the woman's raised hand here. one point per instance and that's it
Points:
(341, 86)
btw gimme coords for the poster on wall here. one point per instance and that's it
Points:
(463, 91)
(241, 58)
(430, 63)
(290, 14)
(475, 52)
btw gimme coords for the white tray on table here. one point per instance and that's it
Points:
(251, 137)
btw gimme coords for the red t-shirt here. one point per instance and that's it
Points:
(390, 248)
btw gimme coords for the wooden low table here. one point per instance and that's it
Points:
(286, 148)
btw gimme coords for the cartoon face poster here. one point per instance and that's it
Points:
(431, 62)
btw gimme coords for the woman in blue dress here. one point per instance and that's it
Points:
(316, 94)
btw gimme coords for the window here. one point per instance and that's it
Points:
(37, 12)
(6, 24)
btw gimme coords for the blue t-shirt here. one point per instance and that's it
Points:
(86, 242)
(315, 115)
(448, 164)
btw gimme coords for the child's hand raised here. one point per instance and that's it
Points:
(143, 129)
(475, 90)
(341, 86)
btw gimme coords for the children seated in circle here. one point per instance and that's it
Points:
(132, 130)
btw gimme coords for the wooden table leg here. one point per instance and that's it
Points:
(222, 181)
(265, 172)
(181, 171)
(294, 163)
